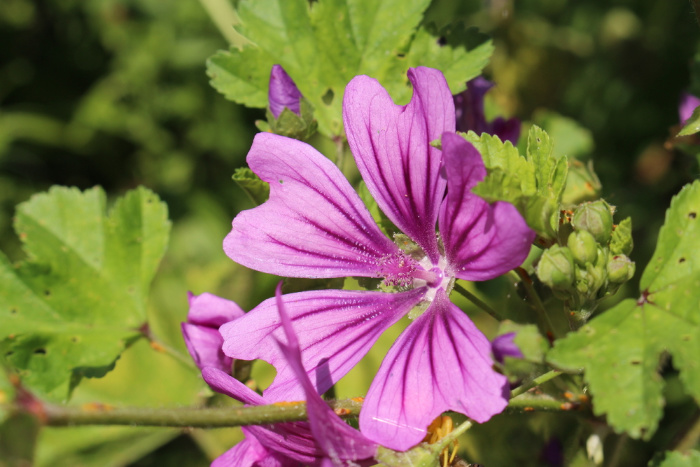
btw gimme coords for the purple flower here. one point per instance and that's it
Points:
(283, 92)
(324, 440)
(685, 109)
(201, 331)
(315, 225)
(504, 346)
(469, 107)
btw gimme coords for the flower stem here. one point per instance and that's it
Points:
(535, 382)
(476, 301)
(535, 300)
(209, 417)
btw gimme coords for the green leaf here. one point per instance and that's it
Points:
(679, 459)
(621, 349)
(692, 125)
(621, 242)
(324, 44)
(256, 189)
(534, 185)
(79, 299)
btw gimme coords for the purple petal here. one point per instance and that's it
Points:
(391, 147)
(503, 346)
(293, 440)
(338, 440)
(441, 362)
(247, 453)
(339, 327)
(204, 345)
(211, 311)
(506, 130)
(685, 109)
(482, 241)
(469, 106)
(313, 225)
(283, 92)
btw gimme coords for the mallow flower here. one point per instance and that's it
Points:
(325, 440)
(314, 225)
(686, 106)
(469, 106)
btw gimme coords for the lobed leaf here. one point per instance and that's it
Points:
(324, 44)
(622, 349)
(79, 298)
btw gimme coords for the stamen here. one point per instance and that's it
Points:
(397, 269)
(437, 430)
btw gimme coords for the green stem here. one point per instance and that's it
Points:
(209, 417)
(535, 382)
(476, 301)
(535, 300)
(225, 18)
(691, 437)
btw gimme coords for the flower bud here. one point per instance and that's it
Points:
(556, 268)
(583, 247)
(582, 183)
(595, 218)
(620, 269)
(283, 92)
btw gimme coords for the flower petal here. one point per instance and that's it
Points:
(391, 145)
(441, 362)
(283, 92)
(224, 383)
(250, 453)
(339, 327)
(204, 345)
(482, 241)
(337, 439)
(211, 311)
(313, 225)
(504, 346)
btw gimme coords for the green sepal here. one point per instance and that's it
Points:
(621, 242)
(257, 190)
(289, 124)
(620, 349)
(692, 125)
(596, 218)
(422, 455)
(582, 183)
(79, 299)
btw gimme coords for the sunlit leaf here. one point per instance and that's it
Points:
(79, 298)
(622, 349)
(324, 44)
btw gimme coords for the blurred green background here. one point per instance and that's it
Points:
(114, 93)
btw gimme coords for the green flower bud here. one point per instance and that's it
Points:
(596, 218)
(583, 247)
(556, 268)
(591, 278)
(620, 269)
(582, 183)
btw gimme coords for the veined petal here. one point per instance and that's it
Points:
(249, 453)
(293, 439)
(338, 440)
(212, 311)
(204, 345)
(313, 225)
(441, 362)
(339, 326)
(482, 240)
(391, 145)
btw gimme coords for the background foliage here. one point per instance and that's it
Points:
(114, 93)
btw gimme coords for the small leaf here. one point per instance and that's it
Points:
(692, 125)
(679, 459)
(621, 242)
(256, 189)
(79, 299)
(620, 350)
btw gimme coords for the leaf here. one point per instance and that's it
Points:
(621, 242)
(254, 187)
(534, 185)
(692, 125)
(323, 45)
(679, 459)
(621, 349)
(79, 299)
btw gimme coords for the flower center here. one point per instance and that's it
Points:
(397, 269)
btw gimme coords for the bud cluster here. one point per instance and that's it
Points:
(590, 261)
